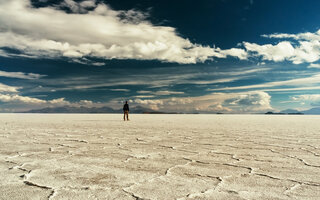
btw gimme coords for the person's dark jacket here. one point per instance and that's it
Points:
(126, 107)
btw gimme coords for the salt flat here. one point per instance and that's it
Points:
(99, 156)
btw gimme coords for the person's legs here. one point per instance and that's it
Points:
(125, 115)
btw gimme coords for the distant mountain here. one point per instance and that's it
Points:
(140, 109)
(312, 111)
(272, 113)
(290, 111)
(70, 109)
(82, 109)
(286, 112)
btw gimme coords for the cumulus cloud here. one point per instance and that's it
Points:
(21, 99)
(312, 99)
(86, 103)
(59, 101)
(15, 98)
(150, 103)
(21, 75)
(244, 102)
(251, 101)
(104, 33)
(95, 30)
(304, 48)
(255, 101)
(279, 52)
(306, 97)
(29, 102)
(240, 53)
(63, 102)
(81, 7)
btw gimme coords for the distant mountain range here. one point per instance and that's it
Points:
(312, 111)
(69, 109)
(83, 109)
(287, 111)
(140, 109)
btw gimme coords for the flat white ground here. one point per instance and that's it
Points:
(99, 156)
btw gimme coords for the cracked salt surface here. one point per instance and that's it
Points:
(183, 157)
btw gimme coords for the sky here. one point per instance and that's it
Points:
(206, 56)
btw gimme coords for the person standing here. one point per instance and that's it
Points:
(126, 111)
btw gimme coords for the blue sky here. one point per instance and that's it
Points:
(240, 56)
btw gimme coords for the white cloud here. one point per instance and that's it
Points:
(306, 97)
(153, 104)
(306, 48)
(280, 36)
(26, 102)
(21, 75)
(148, 101)
(99, 32)
(88, 4)
(307, 81)
(299, 36)
(217, 108)
(15, 98)
(18, 98)
(307, 51)
(59, 101)
(63, 102)
(313, 65)
(143, 92)
(166, 92)
(216, 102)
(120, 90)
(242, 71)
(250, 101)
(144, 96)
(102, 32)
(311, 99)
(255, 101)
(158, 80)
(85, 103)
(279, 52)
(239, 53)
(292, 89)
(7, 88)
(221, 80)
(158, 93)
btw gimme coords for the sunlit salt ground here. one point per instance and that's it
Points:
(87, 156)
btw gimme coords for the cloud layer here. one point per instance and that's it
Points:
(95, 30)
(244, 102)
(20, 75)
(22, 103)
(311, 99)
(292, 84)
(7, 88)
